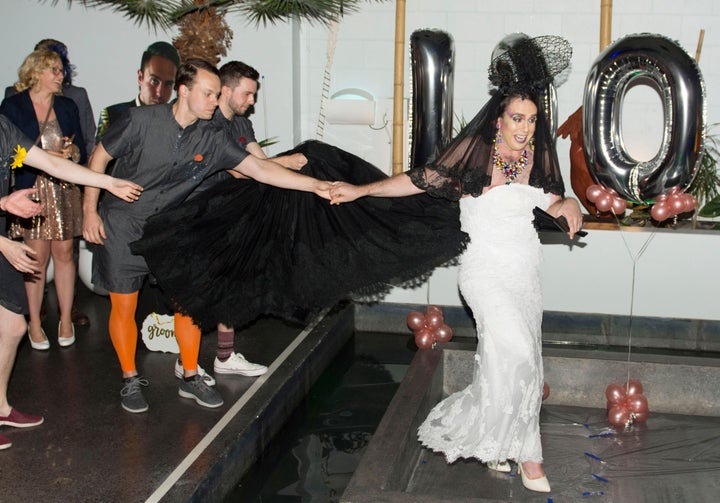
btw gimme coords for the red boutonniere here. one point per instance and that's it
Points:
(241, 139)
(198, 158)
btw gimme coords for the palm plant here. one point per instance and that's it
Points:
(201, 24)
(165, 13)
(706, 186)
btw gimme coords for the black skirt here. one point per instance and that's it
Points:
(242, 249)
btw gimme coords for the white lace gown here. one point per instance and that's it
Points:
(497, 416)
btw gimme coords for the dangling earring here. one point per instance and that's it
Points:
(532, 143)
(498, 138)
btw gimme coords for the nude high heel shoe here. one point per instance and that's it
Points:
(499, 466)
(540, 485)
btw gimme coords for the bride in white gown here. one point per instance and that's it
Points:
(500, 166)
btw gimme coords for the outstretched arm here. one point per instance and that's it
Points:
(64, 169)
(291, 161)
(272, 173)
(396, 186)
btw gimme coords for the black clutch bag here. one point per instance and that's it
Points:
(544, 221)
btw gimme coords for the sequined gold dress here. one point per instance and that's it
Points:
(61, 215)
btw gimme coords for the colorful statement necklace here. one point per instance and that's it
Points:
(510, 170)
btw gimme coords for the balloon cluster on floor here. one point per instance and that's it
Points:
(429, 327)
(626, 403)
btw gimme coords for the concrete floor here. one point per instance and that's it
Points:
(90, 450)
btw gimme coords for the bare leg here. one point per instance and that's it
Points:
(35, 287)
(64, 264)
(12, 329)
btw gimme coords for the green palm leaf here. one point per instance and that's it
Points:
(163, 13)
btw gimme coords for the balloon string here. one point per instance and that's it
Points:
(634, 259)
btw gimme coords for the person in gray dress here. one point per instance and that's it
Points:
(169, 149)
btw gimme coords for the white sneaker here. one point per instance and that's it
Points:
(180, 372)
(237, 364)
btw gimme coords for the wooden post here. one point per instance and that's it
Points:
(605, 23)
(398, 118)
(701, 37)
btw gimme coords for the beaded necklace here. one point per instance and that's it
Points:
(510, 170)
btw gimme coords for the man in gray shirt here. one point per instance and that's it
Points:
(167, 149)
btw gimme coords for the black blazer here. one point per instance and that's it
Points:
(19, 109)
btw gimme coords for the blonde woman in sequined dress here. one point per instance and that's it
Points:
(53, 122)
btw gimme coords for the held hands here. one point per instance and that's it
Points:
(125, 190)
(570, 209)
(19, 255)
(343, 192)
(322, 189)
(20, 203)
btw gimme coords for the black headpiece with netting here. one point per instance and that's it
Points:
(530, 64)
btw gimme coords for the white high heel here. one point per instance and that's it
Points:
(66, 341)
(499, 466)
(39, 346)
(540, 485)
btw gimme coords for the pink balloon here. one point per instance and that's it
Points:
(618, 205)
(677, 203)
(546, 391)
(660, 211)
(619, 415)
(633, 387)
(690, 202)
(604, 202)
(443, 333)
(637, 404)
(415, 320)
(433, 320)
(593, 192)
(433, 309)
(615, 394)
(424, 338)
(661, 198)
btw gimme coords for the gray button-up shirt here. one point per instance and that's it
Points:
(169, 162)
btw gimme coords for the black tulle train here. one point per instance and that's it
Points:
(243, 249)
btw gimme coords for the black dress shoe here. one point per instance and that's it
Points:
(79, 318)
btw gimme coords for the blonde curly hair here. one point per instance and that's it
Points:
(32, 67)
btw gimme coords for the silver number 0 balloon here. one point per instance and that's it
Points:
(661, 63)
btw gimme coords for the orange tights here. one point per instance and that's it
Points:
(123, 333)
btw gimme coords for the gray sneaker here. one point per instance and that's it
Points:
(197, 389)
(131, 397)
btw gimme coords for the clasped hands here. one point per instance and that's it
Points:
(343, 192)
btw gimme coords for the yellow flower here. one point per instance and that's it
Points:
(19, 158)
